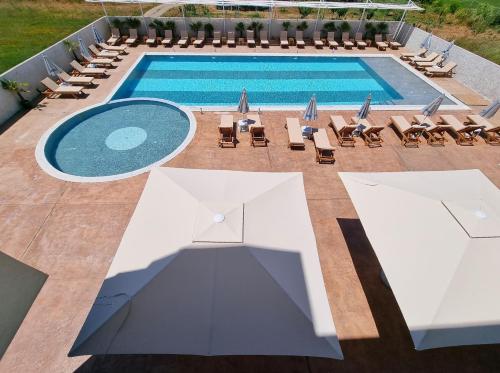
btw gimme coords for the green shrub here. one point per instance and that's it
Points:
(302, 26)
(304, 12)
(345, 26)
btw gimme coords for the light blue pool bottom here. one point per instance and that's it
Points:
(117, 138)
(205, 80)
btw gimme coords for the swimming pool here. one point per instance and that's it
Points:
(115, 140)
(277, 80)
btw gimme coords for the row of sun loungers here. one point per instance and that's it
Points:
(411, 132)
(84, 75)
(429, 64)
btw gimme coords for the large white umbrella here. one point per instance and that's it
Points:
(437, 238)
(215, 263)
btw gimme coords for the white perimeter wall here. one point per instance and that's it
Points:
(474, 71)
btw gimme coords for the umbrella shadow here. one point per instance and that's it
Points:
(232, 300)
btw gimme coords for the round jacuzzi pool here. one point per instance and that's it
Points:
(115, 140)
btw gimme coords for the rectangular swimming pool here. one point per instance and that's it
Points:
(277, 80)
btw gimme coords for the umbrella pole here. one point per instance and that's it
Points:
(105, 14)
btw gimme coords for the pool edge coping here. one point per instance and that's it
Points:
(459, 105)
(48, 168)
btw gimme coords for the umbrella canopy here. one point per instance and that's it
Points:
(437, 238)
(446, 53)
(491, 110)
(84, 50)
(52, 69)
(432, 107)
(243, 105)
(426, 43)
(311, 112)
(449, 46)
(365, 109)
(215, 263)
(97, 36)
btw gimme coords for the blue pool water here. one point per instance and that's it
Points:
(206, 80)
(116, 138)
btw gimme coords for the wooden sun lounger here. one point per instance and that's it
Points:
(115, 36)
(184, 40)
(264, 43)
(295, 139)
(299, 39)
(434, 132)
(431, 57)
(346, 42)
(250, 39)
(360, 43)
(379, 43)
(151, 40)
(104, 53)
(132, 37)
(330, 40)
(122, 49)
(216, 42)
(318, 43)
(407, 55)
(168, 38)
(393, 44)
(425, 65)
(464, 135)
(284, 39)
(446, 70)
(410, 135)
(370, 133)
(257, 131)
(200, 39)
(324, 150)
(90, 71)
(226, 131)
(231, 42)
(490, 131)
(54, 90)
(343, 131)
(108, 62)
(76, 80)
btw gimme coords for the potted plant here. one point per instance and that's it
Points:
(286, 25)
(345, 26)
(382, 28)
(302, 26)
(240, 29)
(18, 88)
(72, 46)
(195, 27)
(132, 23)
(117, 23)
(170, 25)
(158, 25)
(209, 30)
(369, 31)
(329, 27)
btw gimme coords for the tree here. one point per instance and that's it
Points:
(304, 12)
(17, 88)
(72, 46)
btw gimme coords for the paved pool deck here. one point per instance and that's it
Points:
(71, 232)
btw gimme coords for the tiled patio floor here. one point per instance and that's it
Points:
(71, 231)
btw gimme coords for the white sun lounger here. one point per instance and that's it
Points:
(55, 90)
(76, 80)
(295, 139)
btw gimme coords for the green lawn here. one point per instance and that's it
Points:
(27, 27)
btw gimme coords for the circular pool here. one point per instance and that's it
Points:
(115, 140)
